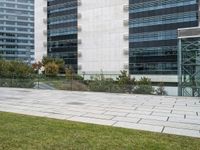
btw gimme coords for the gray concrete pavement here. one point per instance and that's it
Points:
(171, 115)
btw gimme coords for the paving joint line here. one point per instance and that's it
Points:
(114, 116)
(151, 113)
(139, 121)
(114, 123)
(104, 112)
(163, 129)
(167, 119)
(127, 114)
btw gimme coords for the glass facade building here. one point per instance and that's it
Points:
(62, 30)
(153, 37)
(17, 30)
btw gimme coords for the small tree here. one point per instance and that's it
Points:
(69, 73)
(16, 74)
(2, 68)
(46, 60)
(58, 61)
(161, 90)
(61, 64)
(37, 66)
(15, 68)
(51, 69)
(21, 69)
(144, 86)
(99, 83)
(126, 82)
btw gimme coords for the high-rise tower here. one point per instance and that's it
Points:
(17, 30)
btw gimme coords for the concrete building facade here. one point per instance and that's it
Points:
(40, 29)
(103, 36)
(108, 36)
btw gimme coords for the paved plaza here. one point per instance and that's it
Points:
(172, 115)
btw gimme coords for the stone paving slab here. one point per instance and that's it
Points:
(126, 119)
(93, 120)
(164, 118)
(144, 127)
(171, 124)
(193, 121)
(193, 133)
(171, 115)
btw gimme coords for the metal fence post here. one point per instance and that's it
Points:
(179, 69)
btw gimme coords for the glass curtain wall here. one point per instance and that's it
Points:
(17, 30)
(62, 30)
(153, 28)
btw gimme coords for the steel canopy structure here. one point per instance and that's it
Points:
(189, 62)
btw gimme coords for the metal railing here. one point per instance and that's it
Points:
(93, 83)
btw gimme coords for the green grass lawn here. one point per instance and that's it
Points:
(35, 133)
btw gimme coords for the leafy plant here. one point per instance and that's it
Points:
(161, 90)
(69, 73)
(58, 61)
(37, 66)
(99, 83)
(51, 69)
(16, 74)
(144, 86)
(15, 68)
(125, 82)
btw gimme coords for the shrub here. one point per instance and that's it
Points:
(99, 83)
(161, 90)
(78, 77)
(37, 66)
(144, 86)
(58, 61)
(51, 69)
(125, 82)
(69, 73)
(16, 74)
(16, 69)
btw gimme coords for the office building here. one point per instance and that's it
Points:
(153, 35)
(17, 30)
(62, 30)
(107, 36)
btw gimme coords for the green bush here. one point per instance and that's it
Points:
(125, 82)
(15, 69)
(16, 74)
(99, 83)
(58, 61)
(51, 69)
(20, 83)
(161, 90)
(69, 73)
(144, 86)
